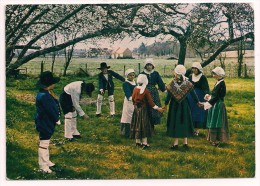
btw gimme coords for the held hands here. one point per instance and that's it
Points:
(58, 122)
(200, 104)
(207, 97)
(102, 91)
(165, 108)
(161, 110)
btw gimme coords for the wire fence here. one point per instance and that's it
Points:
(164, 68)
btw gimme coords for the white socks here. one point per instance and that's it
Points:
(70, 125)
(111, 104)
(43, 156)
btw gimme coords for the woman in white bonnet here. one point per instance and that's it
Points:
(201, 87)
(141, 125)
(154, 79)
(128, 107)
(217, 122)
(179, 120)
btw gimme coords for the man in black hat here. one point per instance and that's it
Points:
(105, 82)
(47, 115)
(69, 101)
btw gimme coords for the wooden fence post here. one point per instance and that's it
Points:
(124, 71)
(139, 67)
(245, 71)
(42, 66)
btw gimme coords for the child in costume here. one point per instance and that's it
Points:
(47, 115)
(201, 87)
(128, 107)
(141, 127)
(217, 123)
(154, 78)
(69, 101)
(179, 120)
(105, 82)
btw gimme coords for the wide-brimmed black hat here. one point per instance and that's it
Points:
(47, 79)
(89, 88)
(103, 65)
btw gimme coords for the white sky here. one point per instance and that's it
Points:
(127, 42)
(183, 182)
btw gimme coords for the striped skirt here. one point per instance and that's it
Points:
(217, 123)
(140, 125)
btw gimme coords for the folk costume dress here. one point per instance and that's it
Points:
(179, 120)
(128, 107)
(141, 125)
(201, 87)
(217, 122)
(154, 79)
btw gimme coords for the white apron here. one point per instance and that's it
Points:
(128, 109)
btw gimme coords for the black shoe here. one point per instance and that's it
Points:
(112, 116)
(215, 144)
(185, 146)
(70, 139)
(53, 168)
(145, 146)
(138, 144)
(56, 168)
(174, 147)
(98, 115)
(196, 134)
(76, 136)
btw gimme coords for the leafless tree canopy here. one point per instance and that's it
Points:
(204, 26)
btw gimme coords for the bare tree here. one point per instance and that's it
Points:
(197, 25)
(222, 57)
(225, 24)
(240, 56)
(207, 27)
(27, 24)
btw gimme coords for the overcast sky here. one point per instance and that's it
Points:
(127, 42)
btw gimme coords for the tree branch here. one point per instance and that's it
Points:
(224, 46)
(51, 29)
(14, 30)
(18, 63)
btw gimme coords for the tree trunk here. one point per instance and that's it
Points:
(65, 69)
(240, 55)
(53, 57)
(182, 52)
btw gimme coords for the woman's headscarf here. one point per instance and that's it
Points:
(128, 71)
(142, 82)
(149, 61)
(198, 66)
(219, 71)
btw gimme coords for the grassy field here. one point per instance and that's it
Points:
(103, 153)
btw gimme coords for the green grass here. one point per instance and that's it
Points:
(103, 153)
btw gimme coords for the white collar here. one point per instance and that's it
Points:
(219, 82)
(131, 82)
(196, 78)
(148, 72)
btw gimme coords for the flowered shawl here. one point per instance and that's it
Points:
(179, 92)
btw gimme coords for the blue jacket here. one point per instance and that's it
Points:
(155, 78)
(105, 84)
(47, 113)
